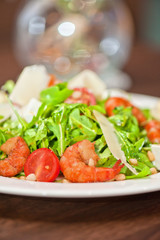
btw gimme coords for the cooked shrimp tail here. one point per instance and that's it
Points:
(78, 164)
(117, 165)
(17, 151)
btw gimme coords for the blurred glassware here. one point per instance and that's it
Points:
(68, 36)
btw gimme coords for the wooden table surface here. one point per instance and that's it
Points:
(130, 217)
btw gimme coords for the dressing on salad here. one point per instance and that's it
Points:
(52, 130)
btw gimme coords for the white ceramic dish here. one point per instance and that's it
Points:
(87, 190)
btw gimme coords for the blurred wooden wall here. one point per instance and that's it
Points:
(9, 67)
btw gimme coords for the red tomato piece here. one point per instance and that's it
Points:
(113, 102)
(81, 95)
(53, 81)
(153, 131)
(153, 124)
(44, 164)
(139, 115)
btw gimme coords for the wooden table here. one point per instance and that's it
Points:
(134, 217)
(130, 217)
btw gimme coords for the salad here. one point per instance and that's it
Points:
(74, 131)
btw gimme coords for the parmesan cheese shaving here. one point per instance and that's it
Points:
(155, 111)
(30, 110)
(156, 151)
(5, 111)
(30, 83)
(112, 140)
(90, 80)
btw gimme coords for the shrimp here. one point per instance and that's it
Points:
(81, 95)
(17, 151)
(113, 102)
(153, 131)
(78, 164)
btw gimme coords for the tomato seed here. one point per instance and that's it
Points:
(47, 167)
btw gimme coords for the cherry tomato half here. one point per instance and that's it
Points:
(44, 164)
(53, 81)
(113, 102)
(82, 95)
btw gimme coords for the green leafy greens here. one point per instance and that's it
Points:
(132, 143)
(58, 125)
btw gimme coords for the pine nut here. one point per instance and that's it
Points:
(150, 156)
(153, 170)
(22, 178)
(31, 177)
(91, 162)
(65, 181)
(76, 94)
(133, 161)
(120, 177)
(47, 167)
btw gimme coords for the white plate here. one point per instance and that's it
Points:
(87, 190)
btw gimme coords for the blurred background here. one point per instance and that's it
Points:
(117, 39)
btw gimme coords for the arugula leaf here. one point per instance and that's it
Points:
(11, 128)
(58, 127)
(62, 85)
(105, 154)
(87, 127)
(55, 95)
(44, 112)
(30, 138)
(97, 108)
(4, 136)
(21, 121)
(126, 146)
(139, 145)
(41, 132)
(48, 94)
(107, 163)
(147, 114)
(100, 144)
(8, 86)
(143, 169)
(101, 103)
(143, 158)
